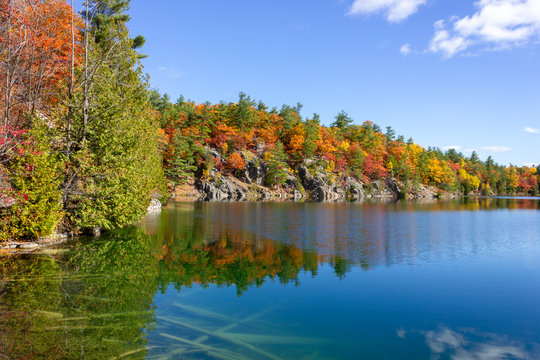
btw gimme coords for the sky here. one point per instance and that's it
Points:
(460, 73)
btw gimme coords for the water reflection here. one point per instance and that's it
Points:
(469, 344)
(160, 289)
(205, 243)
(201, 249)
(91, 302)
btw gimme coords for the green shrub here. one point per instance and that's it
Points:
(33, 175)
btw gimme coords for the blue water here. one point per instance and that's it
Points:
(407, 280)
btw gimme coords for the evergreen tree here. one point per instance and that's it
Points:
(454, 156)
(357, 162)
(34, 173)
(116, 164)
(342, 120)
(277, 166)
(243, 116)
(182, 166)
(311, 134)
(290, 116)
(474, 158)
(390, 133)
(261, 106)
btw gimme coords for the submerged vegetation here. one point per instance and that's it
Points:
(95, 299)
(85, 145)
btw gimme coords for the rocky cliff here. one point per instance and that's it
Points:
(307, 183)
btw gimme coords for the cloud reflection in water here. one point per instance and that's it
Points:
(469, 344)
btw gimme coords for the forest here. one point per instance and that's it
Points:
(283, 139)
(85, 144)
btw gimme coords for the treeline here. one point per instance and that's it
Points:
(284, 140)
(78, 139)
(85, 145)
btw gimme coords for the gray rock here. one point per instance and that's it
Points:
(308, 183)
(28, 246)
(320, 189)
(255, 173)
(154, 207)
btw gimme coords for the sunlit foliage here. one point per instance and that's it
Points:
(284, 140)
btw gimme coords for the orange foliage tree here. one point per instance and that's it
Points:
(235, 162)
(361, 151)
(39, 48)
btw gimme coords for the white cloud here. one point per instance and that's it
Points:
(530, 164)
(393, 10)
(532, 130)
(498, 149)
(171, 72)
(443, 42)
(498, 24)
(405, 50)
(455, 147)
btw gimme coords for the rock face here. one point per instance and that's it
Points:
(307, 183)
(228, 188)
(320, 188)
(185, 192)
(419, 191)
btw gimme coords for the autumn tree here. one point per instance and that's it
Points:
(235, 162)
(363, 151)
(36, 46)
(40, 46)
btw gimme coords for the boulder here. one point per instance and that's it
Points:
(154, 207)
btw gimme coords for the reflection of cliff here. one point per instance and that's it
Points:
(469, 204)
(198, 248)
(210, 242)
(92, 302)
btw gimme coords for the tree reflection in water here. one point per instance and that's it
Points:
(94, 299)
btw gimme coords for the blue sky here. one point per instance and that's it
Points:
(447, 73)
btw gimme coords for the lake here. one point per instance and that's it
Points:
(453, 279)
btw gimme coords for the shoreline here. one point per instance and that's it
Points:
(10, 248)
(25, 247)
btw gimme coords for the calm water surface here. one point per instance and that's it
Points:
(406, 280)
